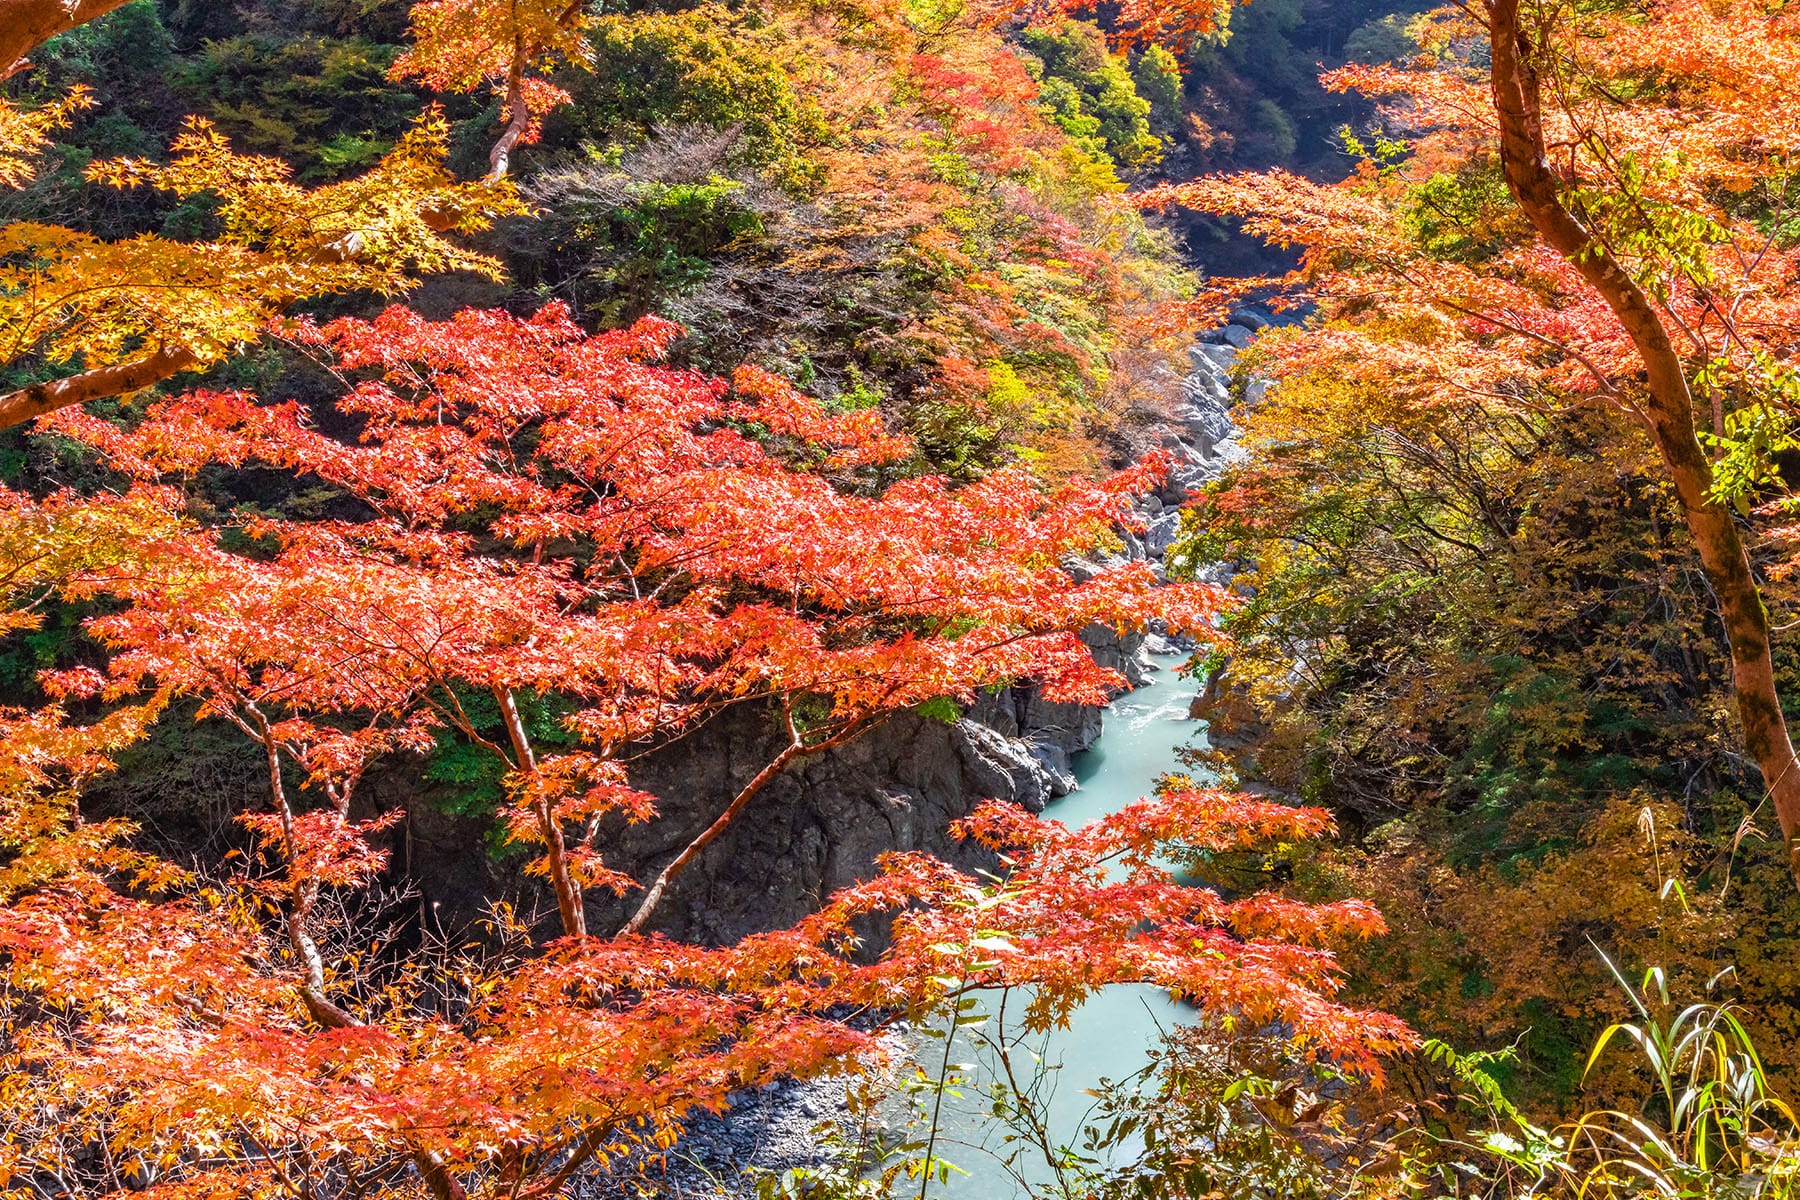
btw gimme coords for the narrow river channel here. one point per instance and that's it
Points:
(1111, 1034)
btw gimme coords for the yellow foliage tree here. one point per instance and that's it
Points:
(107, 318)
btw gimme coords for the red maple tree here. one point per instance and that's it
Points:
(542, 510)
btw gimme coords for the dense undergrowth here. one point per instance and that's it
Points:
(1482, 638)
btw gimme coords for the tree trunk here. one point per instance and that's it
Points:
(303, 894)
(1669, 407)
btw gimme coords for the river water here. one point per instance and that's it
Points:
(1110, 1035)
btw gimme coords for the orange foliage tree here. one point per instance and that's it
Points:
(544, 510)
(464, 45)
(952, 174)
(1579, 208)
(1177, 23)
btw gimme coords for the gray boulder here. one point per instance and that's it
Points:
(1219, 357)
(1162, 532)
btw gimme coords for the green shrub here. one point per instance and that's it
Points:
(1091, 94)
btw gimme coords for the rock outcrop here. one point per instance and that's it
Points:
(821, 825)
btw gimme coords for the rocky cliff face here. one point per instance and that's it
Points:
(816, 828)
(821, 825)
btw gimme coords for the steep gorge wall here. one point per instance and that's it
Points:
(817, 827)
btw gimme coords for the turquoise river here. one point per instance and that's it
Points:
(1112, 1033)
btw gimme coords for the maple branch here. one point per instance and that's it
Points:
(302, 893)
(1670, 409)
(1601, 379)
(579, 1156)
(302, 896)
(29, 403)
(562, 880)
(797, 748)
(459, 717)
(121, 378)
(351, 246)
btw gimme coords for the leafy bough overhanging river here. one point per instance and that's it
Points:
(1111, 1035)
